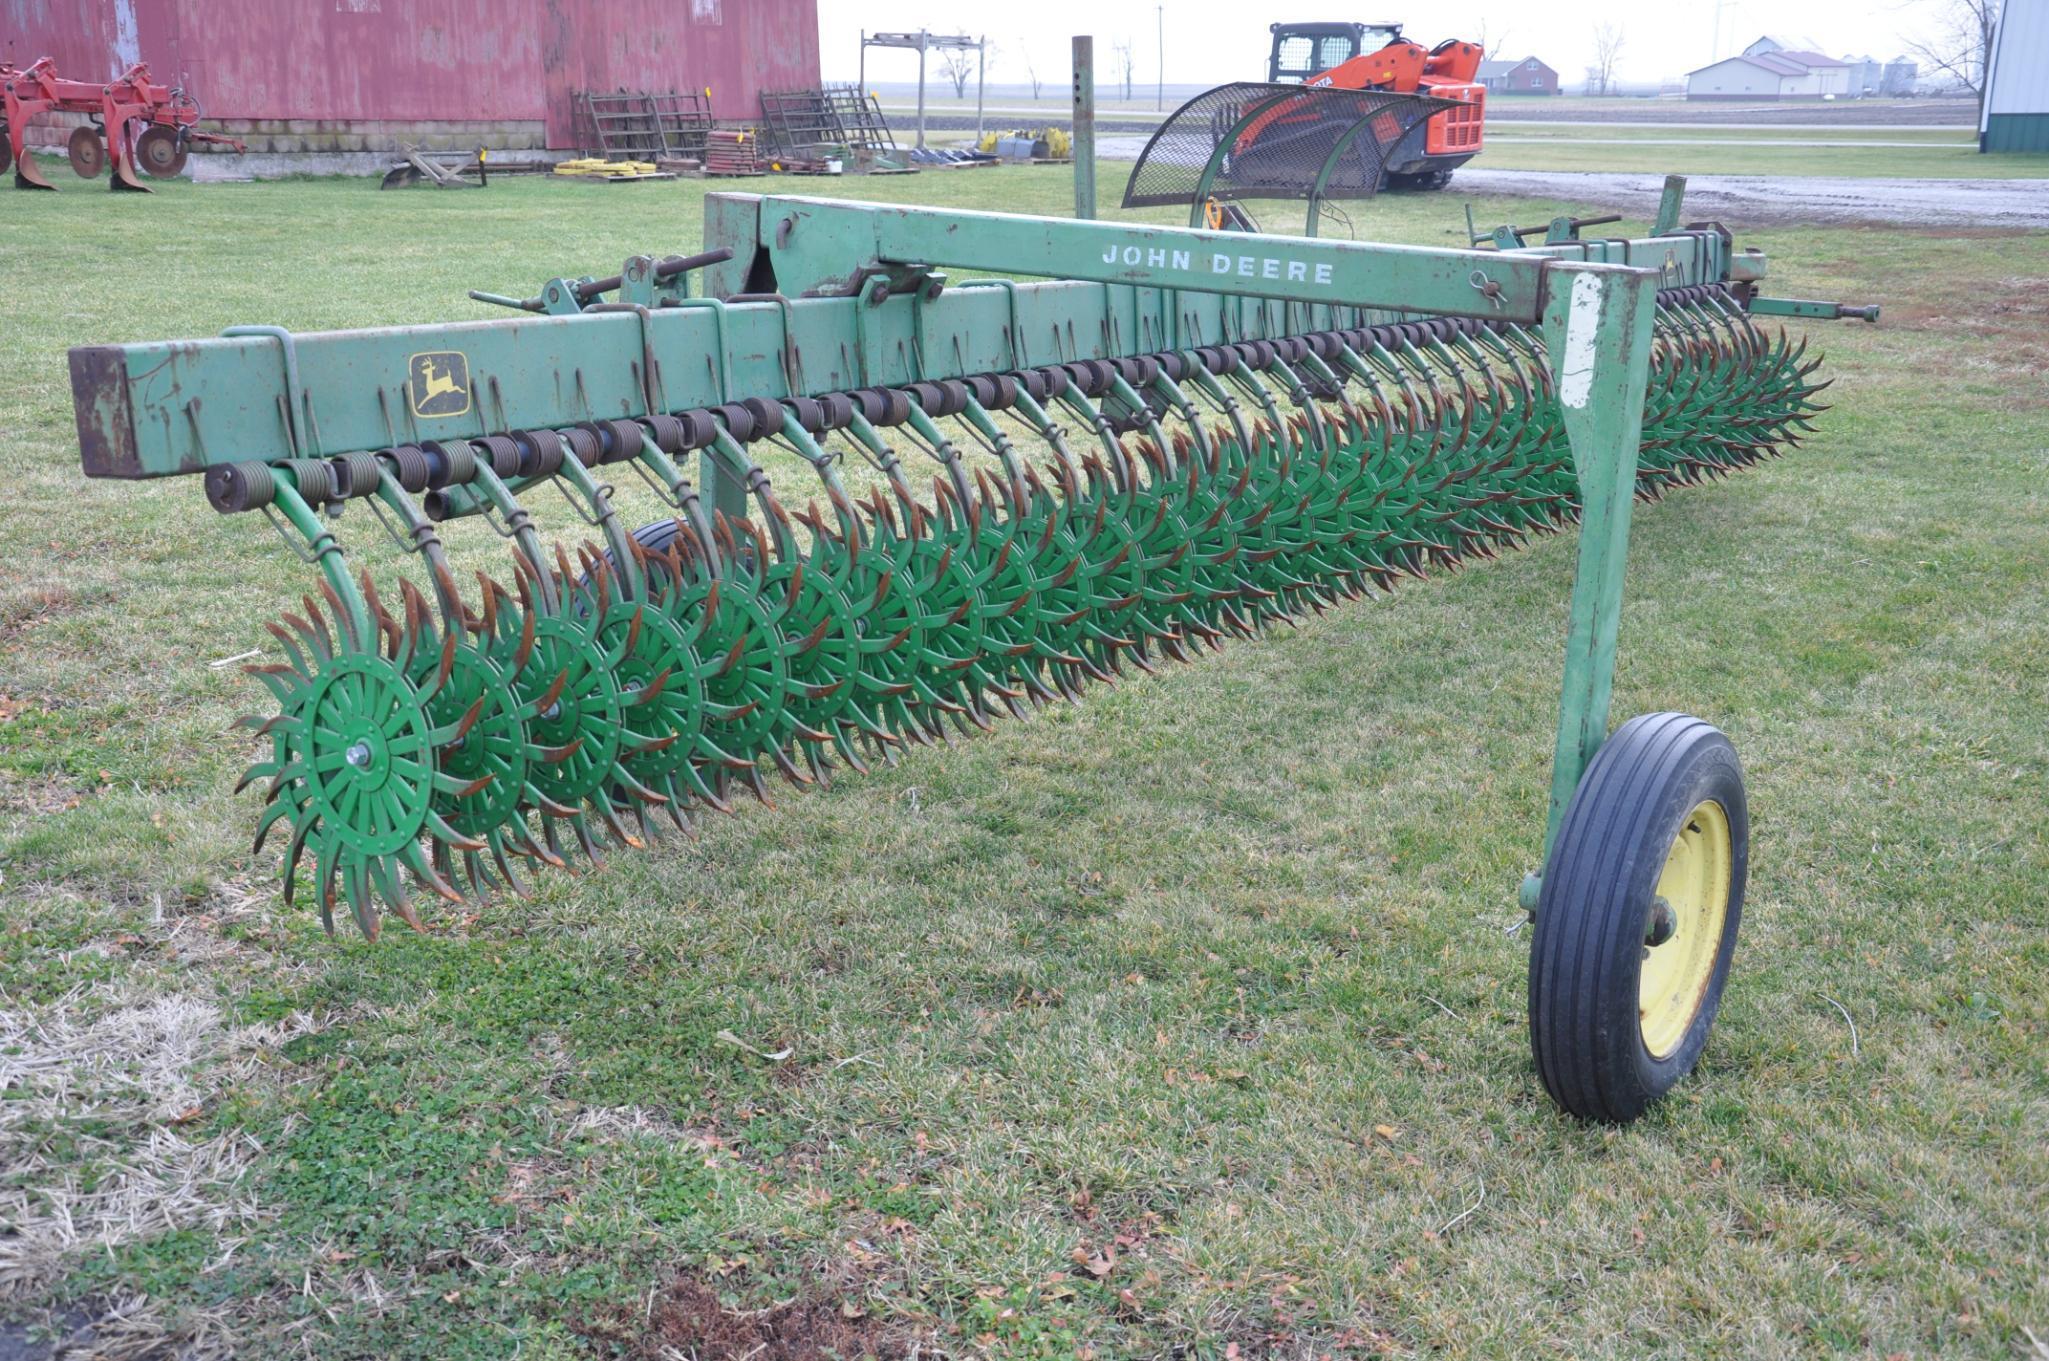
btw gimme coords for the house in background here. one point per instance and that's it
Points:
(1526, 77)
(1779, 73)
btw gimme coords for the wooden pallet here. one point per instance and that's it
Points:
(420, 169)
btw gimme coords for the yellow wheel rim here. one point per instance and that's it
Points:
(1687, 919)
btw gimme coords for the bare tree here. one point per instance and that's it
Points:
(1032, 75)
(1963, 45)
(1608, 41)
(958, 63)
(1495, 45)
(1127, 63)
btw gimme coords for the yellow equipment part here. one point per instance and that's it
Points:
(1695, 886)
(595, 166)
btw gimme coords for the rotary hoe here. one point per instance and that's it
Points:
(1007, 492)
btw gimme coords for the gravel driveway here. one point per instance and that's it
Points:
(1754, 199)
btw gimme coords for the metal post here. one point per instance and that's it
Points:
(1670, 203)
(1160, 49)
(1597, 333)
(981, 79)
(862, 81)
(921, 89)
(1084, 126)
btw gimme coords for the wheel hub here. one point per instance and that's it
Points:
(1683, 929)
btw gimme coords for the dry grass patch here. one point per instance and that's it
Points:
(103, 1099)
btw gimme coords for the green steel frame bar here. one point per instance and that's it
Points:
(873, 311)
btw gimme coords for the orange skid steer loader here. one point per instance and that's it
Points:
(1342, 56)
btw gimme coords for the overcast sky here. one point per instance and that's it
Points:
(1211, 41)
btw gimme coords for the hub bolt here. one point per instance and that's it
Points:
(1662, 925)
(358, 755)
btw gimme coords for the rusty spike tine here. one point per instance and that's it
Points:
(447, 664)
(298, 658)
(610, 817)
(417, 612)
(469, 719)
(789, 767)
(316, 628)
(387, 627)
(344, 621)
(525, 651)
(523, 573)
(490, 591)
(581, 825)
(547, 701)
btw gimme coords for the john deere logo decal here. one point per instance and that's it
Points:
(439, 384)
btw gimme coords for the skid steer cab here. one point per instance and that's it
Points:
(1375, 56)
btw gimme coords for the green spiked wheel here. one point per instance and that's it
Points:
(490, 757)
(352, 767)
(747, 677)
(485, 765)
(661, 682)
(571, 699)
(366, 755)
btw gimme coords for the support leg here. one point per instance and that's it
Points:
(1597, 332)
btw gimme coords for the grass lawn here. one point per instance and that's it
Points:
(1184, 1021)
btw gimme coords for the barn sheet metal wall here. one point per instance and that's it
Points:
(2016, 113)
(486, 61)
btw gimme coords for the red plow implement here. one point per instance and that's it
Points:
(135, 123)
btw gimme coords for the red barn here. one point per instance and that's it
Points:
(362, 75)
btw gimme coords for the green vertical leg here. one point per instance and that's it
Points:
(1669, 204)
(1597, 334)
(728, 497)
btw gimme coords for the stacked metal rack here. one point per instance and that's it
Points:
(643, 125)
(860, 118)
(796, 124)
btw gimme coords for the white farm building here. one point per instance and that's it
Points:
(1772, 69)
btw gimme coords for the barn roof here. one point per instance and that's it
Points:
(1490, 69)
(1778, 63)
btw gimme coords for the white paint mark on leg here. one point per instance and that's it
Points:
(1582, 323)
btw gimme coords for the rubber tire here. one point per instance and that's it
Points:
(1597, 892)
